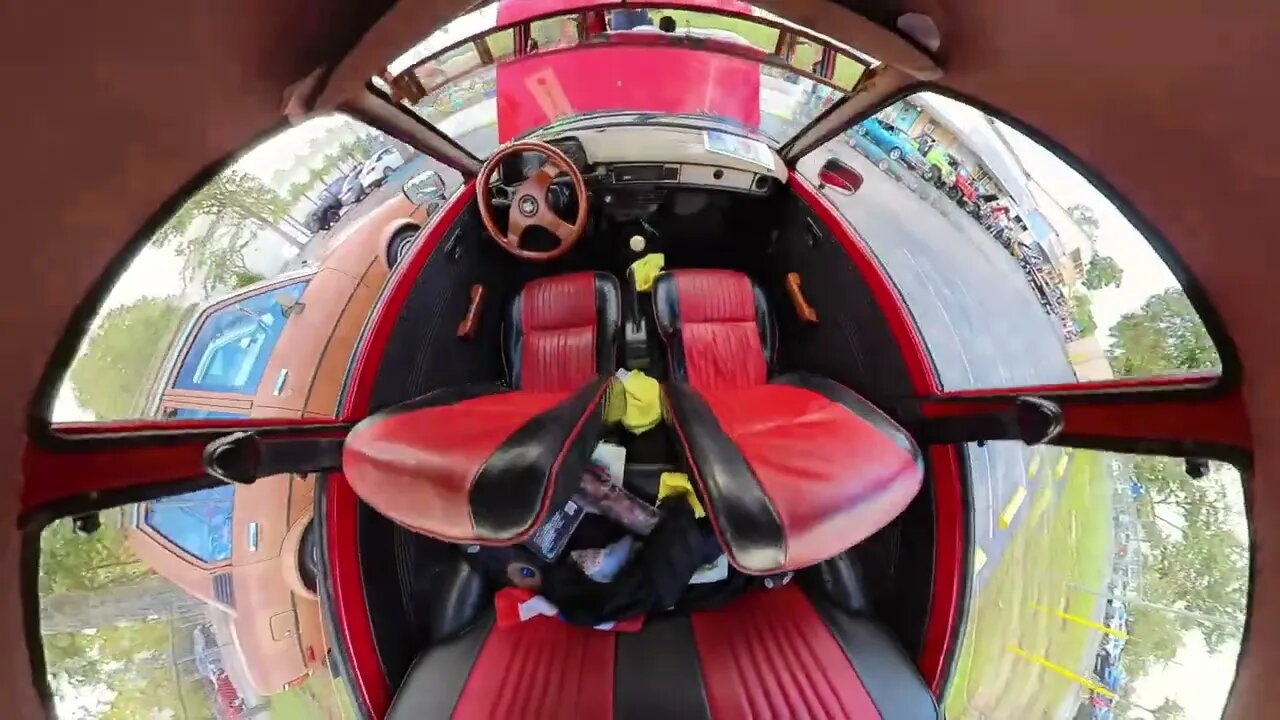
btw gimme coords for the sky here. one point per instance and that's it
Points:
(1145, 274)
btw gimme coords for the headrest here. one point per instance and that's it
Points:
(477, 463)
(793, 472)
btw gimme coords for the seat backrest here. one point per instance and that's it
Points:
(717, 328)
(562, 331)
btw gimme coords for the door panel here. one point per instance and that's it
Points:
(292, 367)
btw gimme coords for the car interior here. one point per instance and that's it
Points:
(797, 459)
(722, 320)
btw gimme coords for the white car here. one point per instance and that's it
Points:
(377, 168)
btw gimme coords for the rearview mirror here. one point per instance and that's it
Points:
(424, 187)
(839, 176)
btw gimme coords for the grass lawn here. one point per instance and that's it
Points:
(1063, 541)
(318, 698)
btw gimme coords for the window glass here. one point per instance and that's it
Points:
(1016, 269)
(130, 628)
(1105, 585)
(231, 346)
(260, 240)
(199, 413)
(758, 76)
(198, 522)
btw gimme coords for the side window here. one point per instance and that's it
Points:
(132, 628)
(1110, 585)
(198, 522)
(230, 349)
(558, 32)
(205, 301)
(1017, 270)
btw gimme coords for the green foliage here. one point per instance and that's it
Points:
(115, 670)
(114, 375)
(1103, 271)
(1195, 574)
(1082, 314)
(1085, 219)
(237, 195)
(128, 670)
(1164, 335)
(235, 208)
(78, 563)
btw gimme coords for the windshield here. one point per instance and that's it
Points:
(491, 76)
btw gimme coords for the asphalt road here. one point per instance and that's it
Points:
(977, 315)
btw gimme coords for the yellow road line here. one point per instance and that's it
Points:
(1083, 621)
(1062, 671)
(1011, 508)
(979, 560)
(1061, 467)
(1034, 466)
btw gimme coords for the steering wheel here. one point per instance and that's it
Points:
(529, 202)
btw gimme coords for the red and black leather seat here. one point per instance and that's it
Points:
(482, 463)
(472, 466)
(562, 331)
(794, 470)
(774, 654)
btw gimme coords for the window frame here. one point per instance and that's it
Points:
(142, 525)
(192, 333)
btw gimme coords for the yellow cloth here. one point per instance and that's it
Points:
(645, 270)
(643, 397)
(671, 483)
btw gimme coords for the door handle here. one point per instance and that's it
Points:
(804, 310)
(280, 380)
(467, 328)
(253, 537)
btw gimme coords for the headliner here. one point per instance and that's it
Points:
(116, 107)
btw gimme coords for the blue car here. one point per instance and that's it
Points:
(892, 141)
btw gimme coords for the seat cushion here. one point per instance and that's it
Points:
(716, 326)
(478, 463)
(793, 472)
(770, 654)
(562, 331)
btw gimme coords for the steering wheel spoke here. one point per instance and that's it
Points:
(528, 203)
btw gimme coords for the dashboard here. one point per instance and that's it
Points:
(625, 157)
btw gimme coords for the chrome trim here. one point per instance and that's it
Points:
(280, 380)
(253, 537)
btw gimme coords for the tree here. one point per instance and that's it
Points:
(1082, 314)
(116, 636)
(1195, 569)
(1164, 335)
(1103, 271)
(114, 375)
(236, 197)
(1085, 219)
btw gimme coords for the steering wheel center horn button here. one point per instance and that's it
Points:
(527, 205)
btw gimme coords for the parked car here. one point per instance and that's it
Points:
(378, 168)
(353, 190)
(328, 207)
(938, 168)
(891, 140)
(275, 349)
(962, 190)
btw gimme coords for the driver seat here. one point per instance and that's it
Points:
(562, 331)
